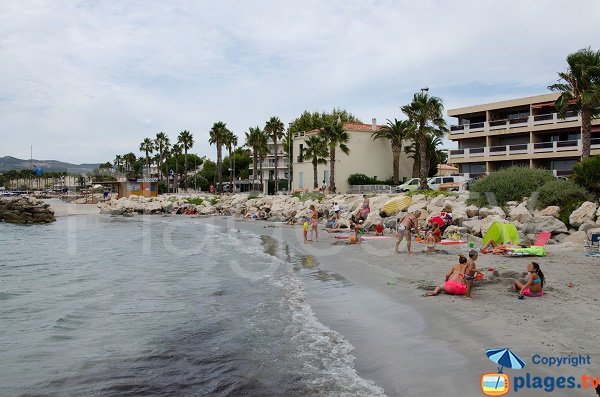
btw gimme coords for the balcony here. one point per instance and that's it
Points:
(529, 121)
(524, 148)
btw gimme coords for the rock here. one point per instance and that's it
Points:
(117, 211)
(417, 206)
(167, 206)
(585, 212)
(455, 229)
(520, 214)
(552, 210)
(593, 231)
(473, 226)
(576, 237)
(512, 203)
(472, 211)
(485, 212)
(81, 200)
(546, 223)
(598, 216)
(561, 237)
(105, 209)
(13, 217)
(587, 225)
(128, 214)
(438, 201)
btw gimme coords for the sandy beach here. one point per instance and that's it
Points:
(412, 345)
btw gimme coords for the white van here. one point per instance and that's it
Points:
(435, 182)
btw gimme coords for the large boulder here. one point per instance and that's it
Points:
(593, 231)
(485, 212)
(587, 225)
(576, 237)
(473, 226)
(552, 210)
(547, 224)
(585, 212)
(598, 216)
(472, 211)
(520, 213)
(418, 206)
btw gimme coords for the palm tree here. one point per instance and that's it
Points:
(231, 140)
(426, 112)
(263, 152)
(217, 136)
(315, 150)
(580, 91)
(334, 135)
(186, 140)
(396, 132)
(162, 145)
(434, 156)
(129, 159)
(254, 142)
(117, 162)
(275, 129)
(147, 146)
(176, 151)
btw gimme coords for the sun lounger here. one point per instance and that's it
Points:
(542, 239)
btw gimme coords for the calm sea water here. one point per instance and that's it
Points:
(101, 306)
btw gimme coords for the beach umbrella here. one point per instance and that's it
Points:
(505, 358)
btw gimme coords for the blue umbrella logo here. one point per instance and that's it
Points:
(505, 358)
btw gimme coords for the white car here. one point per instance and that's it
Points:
(435, 182)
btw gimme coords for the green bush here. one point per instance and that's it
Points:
(431, 193)
(566, 194)
(360, 179)
(309, 196)
(509, 184)
(195, 201)
(213, 201)
(586, 173)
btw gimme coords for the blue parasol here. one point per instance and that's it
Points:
(505, 358)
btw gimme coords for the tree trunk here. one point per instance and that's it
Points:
(276, 175)
(220, 168)
(185, 166)
(332, 188)
(396, 151)
(176, 176)
(586, 132)
(231, 189)
(315, 164)
(415, 168)
(424, 169)
(261, 175)
(254, 160)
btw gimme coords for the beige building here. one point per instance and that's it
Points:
(526, 131)
(369, 157)
(268, 164)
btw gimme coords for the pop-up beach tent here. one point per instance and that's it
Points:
(501, 233)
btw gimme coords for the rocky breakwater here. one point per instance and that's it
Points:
(25, 211)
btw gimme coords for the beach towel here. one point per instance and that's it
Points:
(542, 239)
(452, 242)
(397, 204)
(531, 251)
(376, 237)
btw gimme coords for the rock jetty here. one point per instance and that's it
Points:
(25, 211)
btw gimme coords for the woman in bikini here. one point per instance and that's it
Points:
(403, 229)
(314, 223)
(535, 282)
(455, 281)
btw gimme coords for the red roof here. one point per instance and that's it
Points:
(360, 127)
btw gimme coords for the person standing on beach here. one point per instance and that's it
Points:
(403, 229)
(314, 223)
(471, 272)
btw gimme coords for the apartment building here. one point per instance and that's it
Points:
(525, 131)
(369, 157)
(268, 164)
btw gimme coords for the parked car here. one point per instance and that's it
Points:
(408, 186)
(456, 181)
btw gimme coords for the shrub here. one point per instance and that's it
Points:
(586, 173)
(213, 201)
(431, 193)
(195, 201)
(566, 194)
(360, 179)
(510, 184)
(309, 196)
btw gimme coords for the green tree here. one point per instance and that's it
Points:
(230, 141)
(256, 142)
(315, 151)
(586, 173)
(275, 129)
(217, 136)
(162, 145)
(147, 147)
(396, 132)
(186, 140)
(176, 151)
(427, 114)
(579, 88)
(334, 136)
(117, 162)
(435, 155)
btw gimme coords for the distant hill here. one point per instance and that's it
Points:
(12, 163)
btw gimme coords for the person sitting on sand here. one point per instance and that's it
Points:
(314, 223)
(379, 229)
(455, 282)
(535, 282)
(433, 237)
(403, 229)
(471, 272)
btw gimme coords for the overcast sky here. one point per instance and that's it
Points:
(82, 81)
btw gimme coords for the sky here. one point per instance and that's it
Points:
(83, 81)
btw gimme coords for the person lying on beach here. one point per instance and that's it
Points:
(403, 229)
(534, 284)
(471, 272)
(455, 281)
(433, 237)
(498, 249)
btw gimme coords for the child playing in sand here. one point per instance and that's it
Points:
(379, 229)
(471, 272)
(314, 223)
(305, 228)
(455, 282)
(535, 282)
(433, 236)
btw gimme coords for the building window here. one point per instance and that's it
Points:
(301, 180)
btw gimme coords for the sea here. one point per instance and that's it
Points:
(163, 306)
